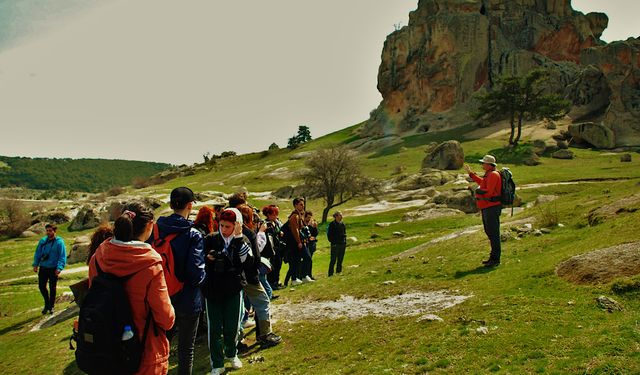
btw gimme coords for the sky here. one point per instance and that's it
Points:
(168, 81)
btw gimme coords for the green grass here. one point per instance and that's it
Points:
(538, 323)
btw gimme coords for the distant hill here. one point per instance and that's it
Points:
(90, 175)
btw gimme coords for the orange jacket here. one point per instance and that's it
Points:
(491, 183)
(146, 290)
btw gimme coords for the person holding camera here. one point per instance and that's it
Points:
(228, 256)
(49, 260)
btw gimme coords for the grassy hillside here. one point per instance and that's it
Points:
(87, 175)
(536, 322)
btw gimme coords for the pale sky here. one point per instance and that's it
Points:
(167, 81)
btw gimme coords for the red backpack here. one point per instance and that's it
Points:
(163, 246)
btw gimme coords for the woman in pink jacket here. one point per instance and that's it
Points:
(128, 254)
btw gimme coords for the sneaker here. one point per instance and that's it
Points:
(235, 362)
(217, 371)
(249, 323)
(296, 282)
(307, 279)
(270, 339)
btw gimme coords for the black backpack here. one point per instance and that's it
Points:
(104, 313)
(508, 191)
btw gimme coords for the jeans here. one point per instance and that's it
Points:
(48, 275)
(311, 248)
(306, 263)
(337, 255)
(186, 326)
(491, 223)
(259, 300)
(263, 280)
(294, 265)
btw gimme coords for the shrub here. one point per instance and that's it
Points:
(626, 285)
(115, 191)
(547, 216)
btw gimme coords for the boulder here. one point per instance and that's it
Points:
(38, 228)
(562, 145)
(539, 146)
(447, 155)
(28, 234)
(458, 199)
(86, 218)
(594, 134)
(431, 213)
(56, 217)
(352, 240)
(563, 154)
(79, 250)
(426, 178)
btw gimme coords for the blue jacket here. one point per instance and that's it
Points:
(54, 252)
(188, 256)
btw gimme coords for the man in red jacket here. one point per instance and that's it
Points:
(488, 200)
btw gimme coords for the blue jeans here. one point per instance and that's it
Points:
(265, 284)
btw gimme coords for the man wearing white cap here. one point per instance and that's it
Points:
(488, 200)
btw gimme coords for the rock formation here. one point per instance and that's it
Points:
(452, 49)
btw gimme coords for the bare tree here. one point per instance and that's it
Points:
(335, 175)
(14, 218)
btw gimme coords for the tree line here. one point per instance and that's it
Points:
(85, 175)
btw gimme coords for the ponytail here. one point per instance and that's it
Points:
(131, 224)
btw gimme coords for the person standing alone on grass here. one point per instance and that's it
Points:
(488, 200)
(337, 235)
(187, 247)
(48, 261)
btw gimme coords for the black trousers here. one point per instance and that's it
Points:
(273, 277)
(337, 255)
(48, 275)
(491, 223)
(186, 326)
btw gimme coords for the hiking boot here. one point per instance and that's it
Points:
(307, 279)
(242, 347)
(217, 371)
(296, 282)
(235, 362)
(270, 339)
(492, 263)
(45, 310)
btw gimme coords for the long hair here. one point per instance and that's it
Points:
(247, 215)
(206, 217)
(131, 224)
(98, 237)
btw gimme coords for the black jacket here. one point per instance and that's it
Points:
(225, 272)
(337, 233)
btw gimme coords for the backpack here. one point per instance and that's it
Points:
(104, 313)
(508, 191)
(162, 245)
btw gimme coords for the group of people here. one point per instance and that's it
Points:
(228, 261)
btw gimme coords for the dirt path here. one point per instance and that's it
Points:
(409, 304)
(63, 273)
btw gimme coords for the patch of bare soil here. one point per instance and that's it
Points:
(409, 304)
(602, 266)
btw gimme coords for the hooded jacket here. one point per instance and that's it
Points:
(188, 256)
(146, 290)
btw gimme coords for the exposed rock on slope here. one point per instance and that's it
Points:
(603, 265)
(453, 48)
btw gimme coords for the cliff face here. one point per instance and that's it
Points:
(453, 48)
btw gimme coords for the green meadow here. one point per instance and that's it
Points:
(535, 321)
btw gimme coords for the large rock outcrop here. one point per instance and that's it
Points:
(452, 49)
